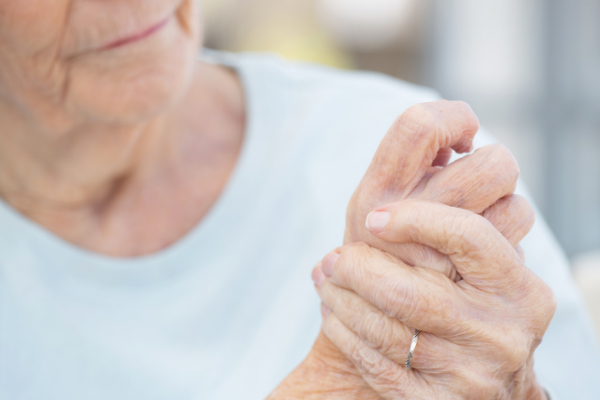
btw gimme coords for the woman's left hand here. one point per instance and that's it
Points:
(478, 334)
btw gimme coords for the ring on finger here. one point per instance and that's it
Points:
(411, 351)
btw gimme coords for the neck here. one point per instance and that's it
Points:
(74, 170)
(88, 179)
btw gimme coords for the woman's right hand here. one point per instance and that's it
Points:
(411, 163)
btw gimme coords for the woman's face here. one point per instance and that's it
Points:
(65, 63)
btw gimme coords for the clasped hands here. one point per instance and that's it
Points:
(429, 246)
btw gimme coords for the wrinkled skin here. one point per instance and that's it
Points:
(411, 164)
(116, 145)
(58, 71)
(481, 182)
(479, 334)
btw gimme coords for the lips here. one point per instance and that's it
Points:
(137, 36)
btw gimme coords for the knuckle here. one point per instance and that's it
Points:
(493, 390)
(431, 113)
(418, 119)
(367, 363)
(522, 203)
(348, 251)
(528, 215)
(460, 110)
(551, 302)
(547, 304)
(466, 113)
(483, 385)
(400, 299)
(389, 386)
(513, 216)
(462, 105)
(520, 206)
(353, 256)
(513, 351)
(501, 156)
(538, 301)
(378, 332)
(437, 119)
(354, 264)
(467, 233)
(354, 251)
(517, 357)
(383, 374)
(415, 215)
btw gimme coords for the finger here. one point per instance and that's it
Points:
(482, 256)
(379, 331)
(388, 379)
(429, 368)
(415, 254)
(443, 158)
(387, 335)
(474, 182)
(418, 297)
(512, 216)
(521, 253)
(412, 144)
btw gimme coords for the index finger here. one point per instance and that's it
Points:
(418, 297)
(413, 142)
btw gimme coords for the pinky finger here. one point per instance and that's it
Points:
(388, 379)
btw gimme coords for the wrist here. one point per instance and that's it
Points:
(324, 374)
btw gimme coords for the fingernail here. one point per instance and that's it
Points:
(325, 310)
(328, 263)
(317, 275)
(377, 220)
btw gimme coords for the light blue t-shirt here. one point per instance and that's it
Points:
(230, 310)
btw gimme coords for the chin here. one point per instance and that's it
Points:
(136, 82)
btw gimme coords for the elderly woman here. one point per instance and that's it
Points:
(162, 212)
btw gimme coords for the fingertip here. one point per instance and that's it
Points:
(521, 253)
(377, 221)
(328, 263)
(317, 275)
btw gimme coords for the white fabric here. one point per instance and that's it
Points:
(230, 310)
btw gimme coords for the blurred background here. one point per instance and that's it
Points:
(529, 68)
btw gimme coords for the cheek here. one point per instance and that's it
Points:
(31, 74)
(117, 86)
(135, 82)
(32, 26)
